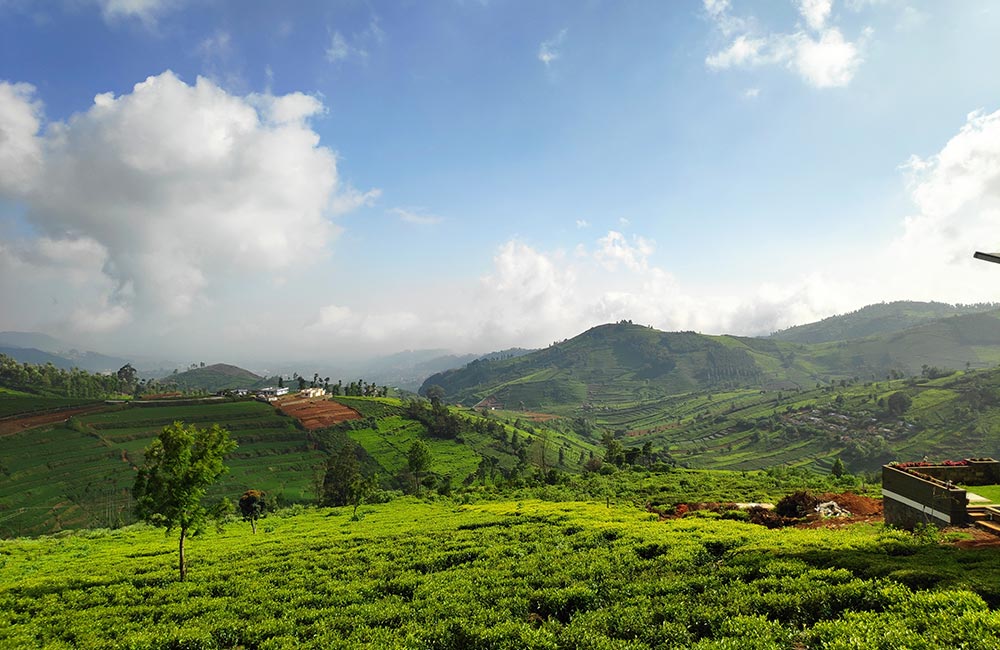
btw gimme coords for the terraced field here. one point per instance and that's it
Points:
(316, 412)
(79, 473)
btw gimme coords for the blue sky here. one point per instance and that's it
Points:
(355, 178)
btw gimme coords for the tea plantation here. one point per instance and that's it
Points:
(416, 574)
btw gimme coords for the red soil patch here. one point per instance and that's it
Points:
(16, 425)
(316, 413)
(538, 417)
(980, 538)
(863, 510)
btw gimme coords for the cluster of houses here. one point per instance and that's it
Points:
(271, 393)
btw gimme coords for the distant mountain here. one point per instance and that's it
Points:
(623, 363)
(219, 376)
(611, 363)
(36, 356)
(408, 369)
(883, 318)
(89, 361)
(35, 340)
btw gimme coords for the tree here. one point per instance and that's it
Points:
(253, 507)
(838, 468)
(898, 403)
(181, 464)
(418, 458)
(435, 394)
(342, 474)
(126, 377)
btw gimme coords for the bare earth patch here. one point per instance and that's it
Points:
(316, 413)
(16, 425)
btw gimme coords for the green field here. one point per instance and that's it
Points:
(20, 403)
(526, 574)
(81, 473)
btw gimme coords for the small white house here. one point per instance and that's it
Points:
(318, 391)
(272, 391)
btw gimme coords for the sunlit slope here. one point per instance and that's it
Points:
(876, 320)
(80, 473)
(952, 417)
(499, 575)
(623, 364)
(617, 363)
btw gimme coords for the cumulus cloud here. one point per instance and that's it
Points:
(20, 149)
(816, 12)
(180, 186)
(818, 52)
(614, 249)
(531, 296)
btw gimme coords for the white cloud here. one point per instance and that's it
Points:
(342, 48)
(181, 186)
(582, 223)
(615, 249)
(350, 199)
(146, 11)
(20, 148)
(816, 12)
(751, 93)
(828, 62)
(416, 216)
(742, 51)
(338, 50)
(818, 53)
(549, 50)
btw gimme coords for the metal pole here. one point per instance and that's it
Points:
(988, 257)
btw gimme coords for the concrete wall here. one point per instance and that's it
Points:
(908, 500)
(977, 472)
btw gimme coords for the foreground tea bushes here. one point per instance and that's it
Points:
(495, 575)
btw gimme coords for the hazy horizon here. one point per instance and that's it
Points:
(250, 183)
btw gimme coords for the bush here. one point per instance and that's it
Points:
(796, 505)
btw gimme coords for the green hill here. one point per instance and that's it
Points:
(874, 320)
(79, 472)
(621, 364)
(614, 364)
(219, 376)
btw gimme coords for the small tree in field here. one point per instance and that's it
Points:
(253, 507)
(181, 464)
(418, 459)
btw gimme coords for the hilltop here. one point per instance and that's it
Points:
(873, 320)
(218, 376)
(616, 363)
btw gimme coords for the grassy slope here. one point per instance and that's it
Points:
(79, 474)
(219, 376)
(614, 365)
(499, 575)
(67, 476)
(951, 417)
(875, 320)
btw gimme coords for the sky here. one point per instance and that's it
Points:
(253, 182)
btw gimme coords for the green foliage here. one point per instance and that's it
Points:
(253, 506)
(418, 460)
(342, 483)
(898, 403)
(181, 464)
(500, 575)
